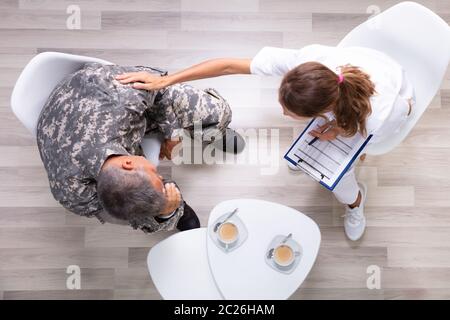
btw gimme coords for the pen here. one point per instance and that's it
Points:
(316, 138)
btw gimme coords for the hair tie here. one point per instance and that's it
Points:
(340, 78)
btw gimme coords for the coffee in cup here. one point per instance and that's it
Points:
(283, 255)
(228, 233)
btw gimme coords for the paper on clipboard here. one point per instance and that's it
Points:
(325, 161)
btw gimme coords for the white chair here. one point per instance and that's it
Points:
(416, 38)
(38, 79)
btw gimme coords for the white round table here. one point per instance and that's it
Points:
(243, 273)
(179, 267)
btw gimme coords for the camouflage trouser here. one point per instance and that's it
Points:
(183, 107)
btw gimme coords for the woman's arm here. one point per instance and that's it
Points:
(207, 69)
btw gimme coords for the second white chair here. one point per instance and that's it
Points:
(419, 40)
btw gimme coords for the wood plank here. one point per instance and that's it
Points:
(140, 20)
(46, 19)
(133, 278)
(5, 98)
(337, 22)
(29, 197)
(72, 219)
(330, 277)
(9, 4)
(445, 98)
(54, 258)
(222, 39)
(337, 294)
(137, 257)
(15, 60)
(41, 237)
(433, 196)
(389, 236)
(427, 138)
(366, 294)
(54, 279)
(60, 295)
(411, 156)
(194, 21)
(331, 6)
(8, 76)
(24, 177)
(417, 294)
(418, 257)
(20, 156)
(109, 235)
(300, 39)
(137, 294)
(342, 257)
(31, 217)
(405, 217)
(14, 133)
(219, 6)
(425, 177)
(443, 6)
(102, 5)
(115, 39)
(431, 278)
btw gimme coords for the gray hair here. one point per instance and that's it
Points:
(128, 195)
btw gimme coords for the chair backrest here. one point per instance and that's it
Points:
(419, 40)
(38, 79)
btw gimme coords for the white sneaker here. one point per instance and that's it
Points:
(354, 220)
(292, 166)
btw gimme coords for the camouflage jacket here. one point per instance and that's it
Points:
(90, 116)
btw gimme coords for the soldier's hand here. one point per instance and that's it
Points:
(166, 148)
(143, 80)
(173, 197)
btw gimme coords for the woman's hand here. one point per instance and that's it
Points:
(173, 198)
(144, 80)
(166, 148)
(326, 132)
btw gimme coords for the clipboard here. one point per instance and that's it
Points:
(325, 161)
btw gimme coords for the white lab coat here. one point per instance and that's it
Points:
(389, 105)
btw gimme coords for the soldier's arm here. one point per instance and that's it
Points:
(207, 69)
(163, 224)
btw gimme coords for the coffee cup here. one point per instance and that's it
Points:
(228, 233)
(283, 255)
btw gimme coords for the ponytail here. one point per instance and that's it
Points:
(352, 106)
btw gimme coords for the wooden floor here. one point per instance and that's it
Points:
(408, 210)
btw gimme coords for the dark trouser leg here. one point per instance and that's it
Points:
(188, 220)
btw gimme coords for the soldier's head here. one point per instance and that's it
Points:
(130, 188)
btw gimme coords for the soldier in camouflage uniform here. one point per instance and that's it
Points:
(90, 120)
